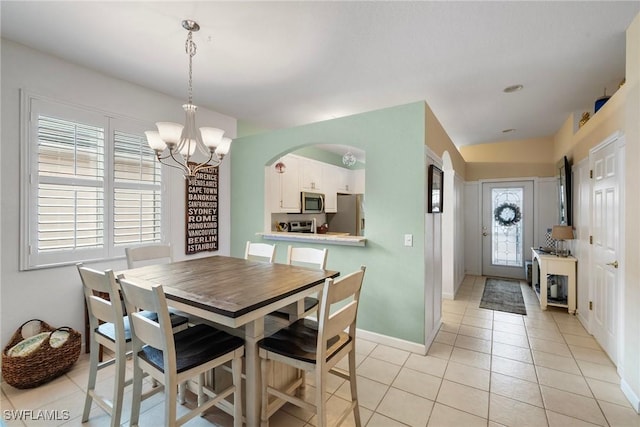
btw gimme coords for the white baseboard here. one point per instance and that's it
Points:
(392, 342)
(447, 295)
(630, 395)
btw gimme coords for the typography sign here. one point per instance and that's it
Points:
(202, 212)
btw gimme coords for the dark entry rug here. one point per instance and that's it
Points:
(503, 295)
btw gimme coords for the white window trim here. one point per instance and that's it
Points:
(28, 197)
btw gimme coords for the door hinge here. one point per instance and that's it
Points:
(591, 240)
(590, 305)
(591, 173)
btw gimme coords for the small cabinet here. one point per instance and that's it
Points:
(344, 181)
(310, 175)
(330, 184)
(285, 193)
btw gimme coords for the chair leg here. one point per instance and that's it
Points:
(264, 370)
(236, 368)
(353, 380)
(170, 399)
(182, 396)
(118, 387)
(136, 393)
(91, 386)
(201, 396)
(321, 403)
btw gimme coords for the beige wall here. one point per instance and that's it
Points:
(438, 140)
(620, 113)
(630, 366)
(510, 159)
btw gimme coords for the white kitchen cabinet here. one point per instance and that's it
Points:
(310, 175)
(330, 187)
(285, 192)
(344, 180)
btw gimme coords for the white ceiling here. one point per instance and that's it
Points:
(282, 64)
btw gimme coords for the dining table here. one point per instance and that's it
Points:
(235, 293)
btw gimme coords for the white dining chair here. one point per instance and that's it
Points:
(304, 257)
(141, 255)
(109, 327)
(316, 347)
(260, 252)
(173, 359)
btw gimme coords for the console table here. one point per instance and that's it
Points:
(545, 264)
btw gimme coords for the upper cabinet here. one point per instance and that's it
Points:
(310, 175)
(284, 189)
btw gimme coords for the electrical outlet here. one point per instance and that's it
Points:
(408, 239)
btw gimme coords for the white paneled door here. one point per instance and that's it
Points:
(507, 227)
(604, 249)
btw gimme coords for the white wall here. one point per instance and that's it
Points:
(472, 226)
(55, 294)
(546, 209)
(545, 216)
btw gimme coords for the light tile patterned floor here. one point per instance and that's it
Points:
(485, 368)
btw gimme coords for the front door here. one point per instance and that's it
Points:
(507, 227)
(604, 232)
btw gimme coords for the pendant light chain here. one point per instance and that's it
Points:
(190, 47)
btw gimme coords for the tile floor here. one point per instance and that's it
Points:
(485, 368)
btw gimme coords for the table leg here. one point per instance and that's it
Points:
(254, 332)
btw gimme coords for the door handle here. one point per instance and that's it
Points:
(614, 264)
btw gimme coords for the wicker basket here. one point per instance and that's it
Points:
(44, 363)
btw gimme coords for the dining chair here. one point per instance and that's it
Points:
(108, 327)
(317, 347)
(304, 257)
(173, 359)
(260, 252)
(141, 255)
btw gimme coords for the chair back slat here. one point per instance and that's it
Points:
(345, 287)
(309, 257)
(141, 295)
(103, 309)
(335, 291)
(139, 256)
(341, 319)
(260, 252)
(103, 282)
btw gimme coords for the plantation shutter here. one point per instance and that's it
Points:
(70, 206)
(137, 191)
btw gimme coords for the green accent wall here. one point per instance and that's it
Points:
(392, 299)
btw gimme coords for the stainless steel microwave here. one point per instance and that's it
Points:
(311, 202)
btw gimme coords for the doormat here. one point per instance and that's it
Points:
(503, 295)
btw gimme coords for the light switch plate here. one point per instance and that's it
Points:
(408, 239)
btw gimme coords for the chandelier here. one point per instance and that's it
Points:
(175, 144)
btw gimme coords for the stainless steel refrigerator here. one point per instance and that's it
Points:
(350, 215)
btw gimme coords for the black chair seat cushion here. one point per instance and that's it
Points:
(194, 346)
(309, 303)
(108, 330)
(299, 341)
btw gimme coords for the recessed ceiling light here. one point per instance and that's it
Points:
(508, 130)
(511, 89)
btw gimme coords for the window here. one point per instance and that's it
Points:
(93, 185)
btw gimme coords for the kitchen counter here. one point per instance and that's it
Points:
(326, 239)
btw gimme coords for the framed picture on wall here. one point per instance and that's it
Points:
(434, 189)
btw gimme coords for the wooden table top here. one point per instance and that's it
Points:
(229, 286)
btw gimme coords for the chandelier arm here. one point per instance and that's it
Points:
(176, 166)
(206, 165)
